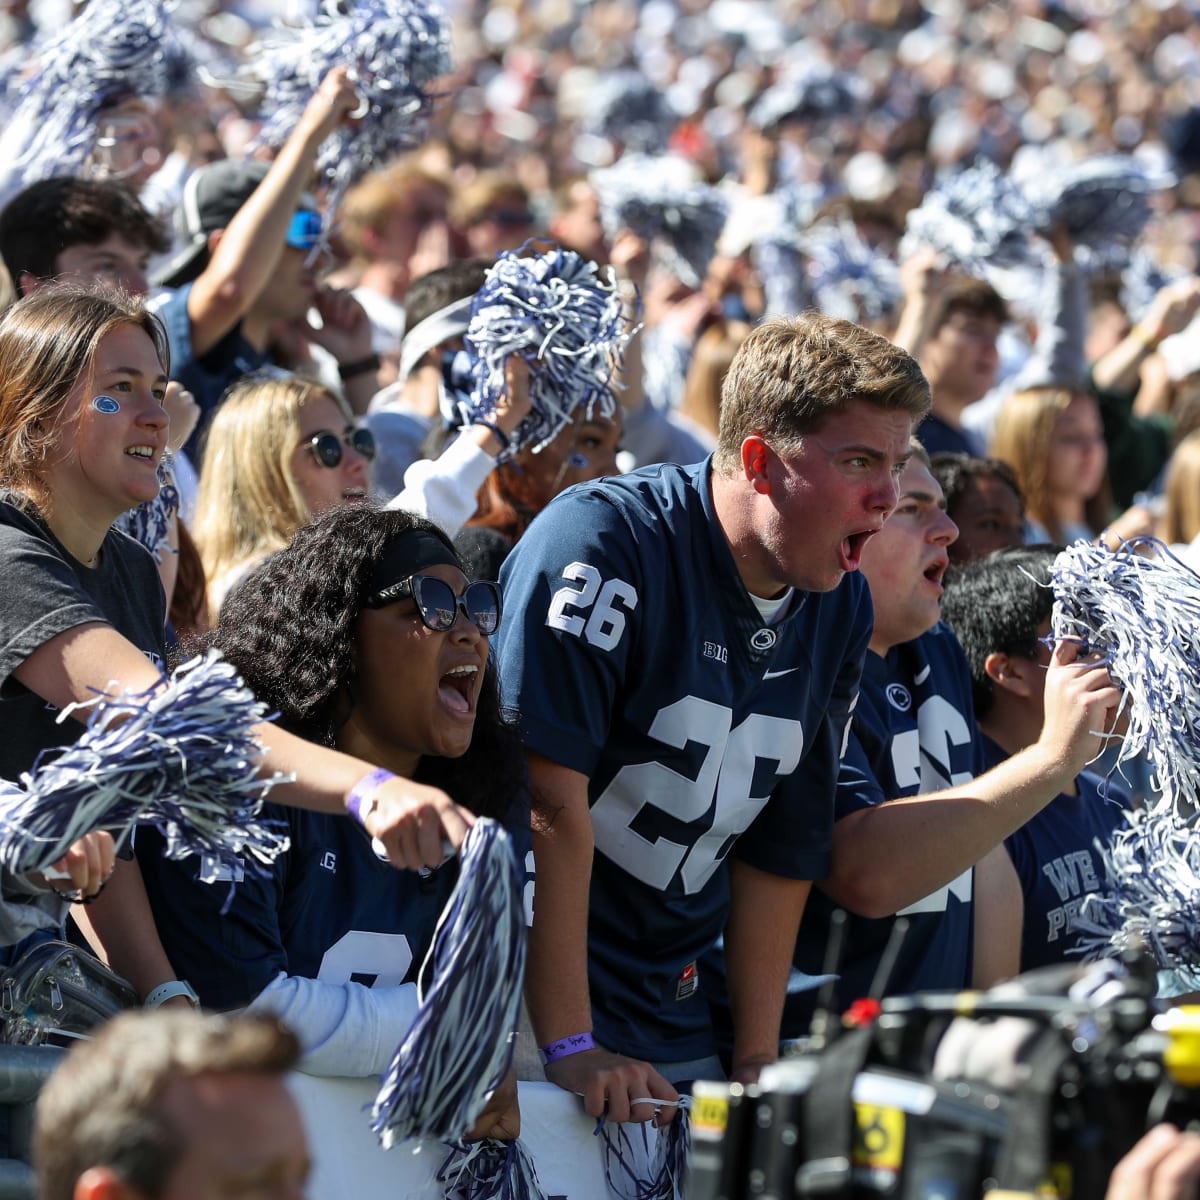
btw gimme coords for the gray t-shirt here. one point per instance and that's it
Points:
(45, 592)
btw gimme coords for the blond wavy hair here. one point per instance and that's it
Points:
(249, 503)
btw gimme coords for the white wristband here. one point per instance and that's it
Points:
(170, 989)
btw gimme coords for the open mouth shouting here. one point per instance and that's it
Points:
(936, 573)
(850, 551)
(458, 689)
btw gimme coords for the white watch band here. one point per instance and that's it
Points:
(170, 989)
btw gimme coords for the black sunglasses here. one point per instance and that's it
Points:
(438, 606)
(327, 446)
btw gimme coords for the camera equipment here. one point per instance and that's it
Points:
(1034, 1088)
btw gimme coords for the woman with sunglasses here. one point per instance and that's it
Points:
(82, 431)
(281, 449)
(364, 635)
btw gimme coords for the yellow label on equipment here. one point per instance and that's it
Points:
(879, 1137)
(710, 1115)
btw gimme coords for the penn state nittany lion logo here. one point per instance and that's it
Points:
(898, 696)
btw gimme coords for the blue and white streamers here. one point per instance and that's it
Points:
(661, 200)
(395, 49)
(461, 1043)
(114, 50)
(1139, 608)
(182, 757)
(150, 522)
(1153, 899)
(556, 312)
(973, 218)
(809, 91)
(849, 278)
(626, 107)
(1102, 202)
(645, 1162)
(489, 1169)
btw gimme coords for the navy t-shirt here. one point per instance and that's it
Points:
(913, 732)
(634, 655)
(1057, 856)
(328, 909)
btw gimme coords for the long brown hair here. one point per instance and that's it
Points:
(1023, 437)
(48, 342)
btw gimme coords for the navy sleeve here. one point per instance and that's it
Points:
(571, 627)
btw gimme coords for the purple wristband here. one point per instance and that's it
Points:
(572, 1044)
(364, 790)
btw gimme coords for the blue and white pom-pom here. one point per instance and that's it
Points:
(626, 107)
(489, 1169)
(1152, 901)
(182, 757)
(150, 522)
(849, 279)
(395, 50)
(1139, 608)
(662, 201)
(646, 1162)
(460, 1046)
(114, 50)
(1102, 202)
(555, 312)
(973, 218)
(812, 90)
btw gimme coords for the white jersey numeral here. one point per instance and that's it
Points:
(726, 773)
(374, 959)
(605, 625)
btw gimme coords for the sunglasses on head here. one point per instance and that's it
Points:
(437, 604)
(327, 446)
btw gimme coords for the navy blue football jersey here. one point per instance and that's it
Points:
(913, 732)
(329, 909)
(635, 655)
(1059, 863)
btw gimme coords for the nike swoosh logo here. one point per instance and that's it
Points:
(776, 674)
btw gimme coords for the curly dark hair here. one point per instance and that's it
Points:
(290, 630)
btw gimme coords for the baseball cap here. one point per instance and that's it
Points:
(211, 197)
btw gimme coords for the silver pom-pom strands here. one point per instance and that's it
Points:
(626, 107)
(460, 1045)
(973, 218)
(1102, 202)
(849, 279)
(1139, 608)
(181, 757)
(489, 1170)
(150, 522)
(114, 50)
(660, 200)
(554, 311)
(645, 1162)
(813, 90)
(1153, 899)
(395, 50)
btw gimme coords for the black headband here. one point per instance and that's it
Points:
(403, 556)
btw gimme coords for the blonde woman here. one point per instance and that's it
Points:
(1054, 441)
(280, 450)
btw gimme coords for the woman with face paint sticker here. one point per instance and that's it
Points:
(365, 635)
(82, 608)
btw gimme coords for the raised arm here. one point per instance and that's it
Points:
(249, 249)
(946, 832)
